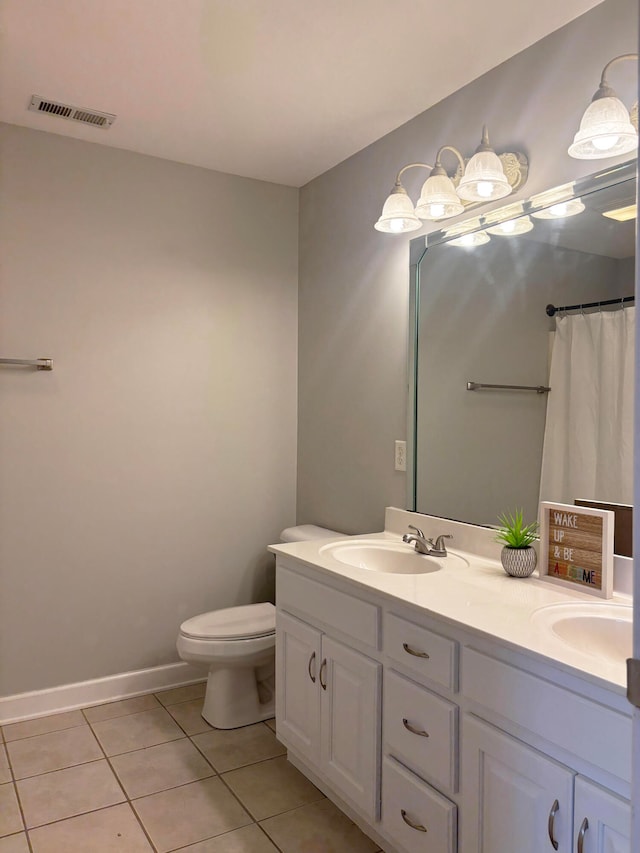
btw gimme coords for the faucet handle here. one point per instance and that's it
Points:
(440, 546)
(417, 530)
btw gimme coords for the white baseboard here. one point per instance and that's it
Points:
(68, 697)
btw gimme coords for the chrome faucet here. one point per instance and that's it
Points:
(427, 546)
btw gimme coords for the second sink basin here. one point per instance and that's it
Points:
(389, 557)
(602, 630)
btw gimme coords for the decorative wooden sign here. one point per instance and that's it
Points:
(576, 547)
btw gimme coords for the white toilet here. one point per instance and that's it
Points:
(238, 645)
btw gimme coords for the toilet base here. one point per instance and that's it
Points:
(233, 697)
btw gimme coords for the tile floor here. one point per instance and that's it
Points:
(149, 774)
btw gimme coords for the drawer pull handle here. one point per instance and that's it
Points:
(417, 826)
(413, 652)
(415, 731)
(311, 661)
(583, 828)
(323, 667)
(555, 808)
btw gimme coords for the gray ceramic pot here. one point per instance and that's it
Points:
(519, 562)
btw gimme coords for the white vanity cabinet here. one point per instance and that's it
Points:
(439, 739)
(518, 798)
(513, 789)
(328, 696)
(601, 821)
(523, 800)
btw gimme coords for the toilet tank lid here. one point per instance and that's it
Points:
(306, 532)
(232, 623)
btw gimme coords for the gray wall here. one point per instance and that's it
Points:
(353, 293)
(143, 478)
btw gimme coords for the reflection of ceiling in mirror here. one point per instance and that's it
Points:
(590, 231)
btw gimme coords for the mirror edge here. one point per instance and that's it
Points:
(418, 247)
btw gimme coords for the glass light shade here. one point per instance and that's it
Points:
(512, 227)
(438, 199)
(477, 238)
(484, 178)
(398, 215)
(561, 209)
(465, 235)
(605, 131)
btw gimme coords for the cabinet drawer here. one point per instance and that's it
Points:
(420, 729)
(329, 607)
(414, 815)
(595, 733)
(421, 651)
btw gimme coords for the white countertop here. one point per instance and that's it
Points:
(478, 596)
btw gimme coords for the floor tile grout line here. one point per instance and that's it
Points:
(135, 714)
(246, 808)
(44, 734)
(180, 701)
(259, 761)
(72, 816)
(264, 831)
(117, 716)
(19, 801)
(59, 770)
(228, 832)
(153, 693)
(122, 788)
(128, 800)
(67, 767)
(55, 770)
(230, 769)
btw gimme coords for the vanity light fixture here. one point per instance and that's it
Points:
(607, 129)
(561, 210)
(468, 238)
(557, 203)
(470, 241)
(485, 177)
(512, 227)
(508, 221)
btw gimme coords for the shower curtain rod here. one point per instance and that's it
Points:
(552, 309)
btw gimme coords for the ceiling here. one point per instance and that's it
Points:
(279, 90)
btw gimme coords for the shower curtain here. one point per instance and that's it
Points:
(588, 439)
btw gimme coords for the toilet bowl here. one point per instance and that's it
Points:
(238, 646)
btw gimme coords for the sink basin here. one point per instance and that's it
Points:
(602, 630)
(389, 557)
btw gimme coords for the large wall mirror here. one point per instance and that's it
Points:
(480, 315)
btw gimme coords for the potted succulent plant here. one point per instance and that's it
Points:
(518, 556)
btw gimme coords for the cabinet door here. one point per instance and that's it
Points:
(350, 724)
(297, 687)
(515, 798)
(602, 821)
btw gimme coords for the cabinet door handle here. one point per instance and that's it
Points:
(417, 826)
(323, 668)
(311, 660)
(413, 652)
(583, 829)
(551, 824)
(415, 731)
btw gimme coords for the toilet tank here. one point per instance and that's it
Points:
(306, 532)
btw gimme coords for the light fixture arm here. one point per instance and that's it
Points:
(438, 169)
(398, 184)
(605, 90)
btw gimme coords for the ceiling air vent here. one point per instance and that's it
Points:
(81, 114)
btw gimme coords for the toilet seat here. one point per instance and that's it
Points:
(238, 646)
(251, 621)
